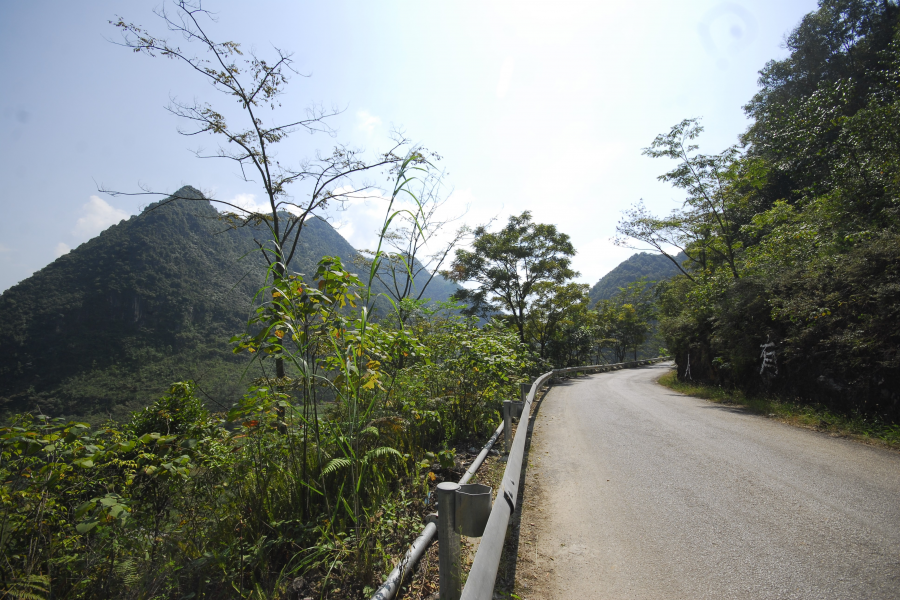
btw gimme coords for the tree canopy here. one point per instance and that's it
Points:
(792, 237)
(506, 265)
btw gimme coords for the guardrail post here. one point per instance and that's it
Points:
(449, 573)
(507, 424)
(524, 388)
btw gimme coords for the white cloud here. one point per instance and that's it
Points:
(359, 216)
(247, 202)
(367, 122)
(61, 248)
(506, 73)
(97, 216)
(346, 228)
(597, 258)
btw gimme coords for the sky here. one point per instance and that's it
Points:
(533, 106)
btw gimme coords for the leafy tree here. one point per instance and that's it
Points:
(553, 305)
(624, 321)
(792, 242)
(840, 57)
(706, 229)
(507, 265)
(256, 84)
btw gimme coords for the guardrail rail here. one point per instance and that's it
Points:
(483, 575)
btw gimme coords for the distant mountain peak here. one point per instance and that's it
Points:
(109, 326)
(654, 267)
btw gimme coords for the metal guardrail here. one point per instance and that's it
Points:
(390, 586)
(482, 576)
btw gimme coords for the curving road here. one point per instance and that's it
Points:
(635, 491)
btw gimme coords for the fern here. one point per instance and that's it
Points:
(382, 451)
(128, 571)
(335, 464)
(30, 587)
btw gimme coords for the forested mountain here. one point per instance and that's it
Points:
(155, 299)
(653, 267)
(793, 238)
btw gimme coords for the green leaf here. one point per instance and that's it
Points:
(84, 507)
(85, 527)
(335, 464)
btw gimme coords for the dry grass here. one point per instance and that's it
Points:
(819, 418)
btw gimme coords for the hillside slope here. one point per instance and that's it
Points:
(107, 327)
(655, 267)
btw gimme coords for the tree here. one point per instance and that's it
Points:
(623, 321)
(843, 42)
(508, 264)
(554, 304)
(706, 229)
(251, 135)
(844, 60)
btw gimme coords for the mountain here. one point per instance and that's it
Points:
(655, 267)
(104, 329)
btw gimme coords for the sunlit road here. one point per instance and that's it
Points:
(640, 492)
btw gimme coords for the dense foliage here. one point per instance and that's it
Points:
(307, 476)
(791, 281)
(105, 329)
(626, 324)
(299, 485)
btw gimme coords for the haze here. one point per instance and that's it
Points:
(537, 106)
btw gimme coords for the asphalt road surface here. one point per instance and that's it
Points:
(635, 491)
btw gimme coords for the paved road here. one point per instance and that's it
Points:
(635, 491)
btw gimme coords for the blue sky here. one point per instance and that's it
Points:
(533, 105)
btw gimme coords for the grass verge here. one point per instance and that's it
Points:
(817, 417)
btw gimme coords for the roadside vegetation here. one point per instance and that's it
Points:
(790, 280)
(313, 483)
(798, 413)
(315, 479)
(181, 502)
